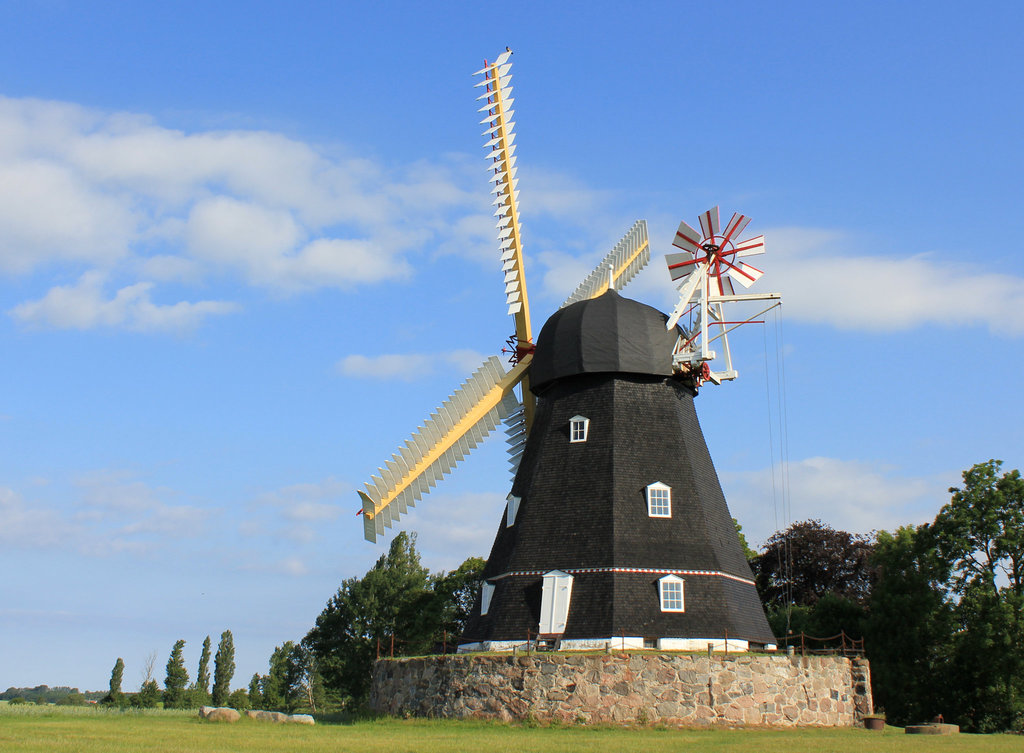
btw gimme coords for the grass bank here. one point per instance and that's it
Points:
(53, 730)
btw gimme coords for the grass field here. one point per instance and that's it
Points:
(49, 729)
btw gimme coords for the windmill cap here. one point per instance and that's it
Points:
(607, 334)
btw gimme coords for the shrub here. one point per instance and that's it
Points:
(239, 700)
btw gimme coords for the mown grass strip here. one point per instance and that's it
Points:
(177, 732)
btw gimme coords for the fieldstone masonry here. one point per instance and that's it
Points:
(676, 689)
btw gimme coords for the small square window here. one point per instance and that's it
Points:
(578, 427)
(659, 500)
(671, 591)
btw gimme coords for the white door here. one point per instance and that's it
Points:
(554, 602)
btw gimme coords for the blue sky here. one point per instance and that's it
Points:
(246, 248)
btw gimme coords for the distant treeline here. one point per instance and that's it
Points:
(46, 694)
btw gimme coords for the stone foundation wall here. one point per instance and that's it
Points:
(676, 689)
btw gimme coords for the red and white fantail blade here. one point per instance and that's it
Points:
(680, 265)
(744, 274)
(709, 223)
(750, 247)
(687, 238)
(721, 285)
(735, 227)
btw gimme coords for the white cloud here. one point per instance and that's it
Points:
(84, 306)
(451, 528)
(285, 566)
(820, 283)
(407, 367)
(851, 495)
(110, 512)
(138, 203)
(310, 502)
(47, 212)
(28, 525)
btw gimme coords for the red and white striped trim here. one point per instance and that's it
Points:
(651, 570)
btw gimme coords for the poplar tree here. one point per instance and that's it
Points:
(201, 687)
(115, 696)
(223, 668)
(177, 678)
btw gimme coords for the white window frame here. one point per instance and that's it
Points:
(486, 592)
(512, 509)
(582, 424)
(668, 586)
(659, 500)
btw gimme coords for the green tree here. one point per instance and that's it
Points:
(275, 684)
(148, 696)
(201, 687)
(980, 536)
(177, 678)
(749, 553)
(255, 692)
(910, 627)
(115, 697)
(388, 602)
(455, 594)
(239, 700)
(304, 673)
(223, 668)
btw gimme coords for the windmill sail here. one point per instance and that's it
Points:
(455, 428)
(629, 256)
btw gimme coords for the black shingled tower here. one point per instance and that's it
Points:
(583, 506)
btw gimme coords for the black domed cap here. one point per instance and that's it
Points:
(604, 334)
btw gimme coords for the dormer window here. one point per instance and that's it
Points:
(578, 426)
(512, 509)
(670, 590)
(486, 592)
(659, 500)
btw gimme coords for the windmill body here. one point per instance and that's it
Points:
(616, 530)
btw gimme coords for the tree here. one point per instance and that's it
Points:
(177, 678)
(979, 534)
(201, 687)
(305, 684)
(239, 700)
(749, 553)
(388, 602)
(115, 697)
(945, 625)
(455, 595)
(255, 692)
(275, 685)
(223, 668)
(809, 561)
(910, 626)
(148, 696)
(148, 665)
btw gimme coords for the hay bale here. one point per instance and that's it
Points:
(219, 714)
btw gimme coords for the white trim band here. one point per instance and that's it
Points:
(651, 570)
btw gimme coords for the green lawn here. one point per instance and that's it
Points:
(97, 731)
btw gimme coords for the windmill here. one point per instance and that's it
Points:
(616, 527)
